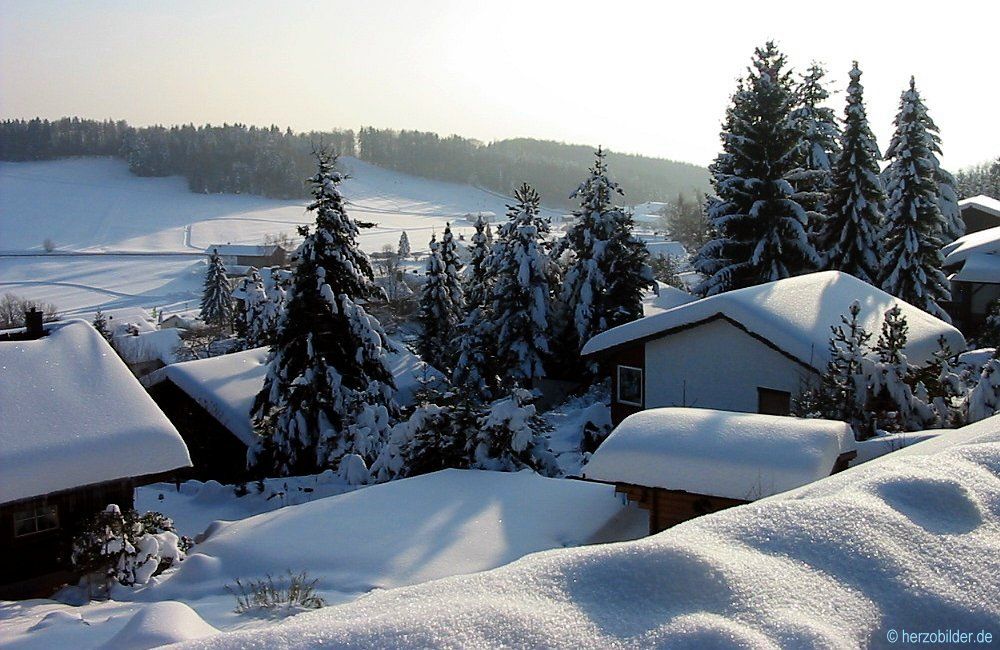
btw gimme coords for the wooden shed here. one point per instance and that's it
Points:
(682, 463)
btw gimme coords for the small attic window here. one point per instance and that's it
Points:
(773, 402)
(630, 385)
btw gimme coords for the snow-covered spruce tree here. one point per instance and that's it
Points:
(328, 391)
(262, 303)
(819, 141)
(756, 212)
(894, 404)
(438, 315)
(913, 225)
(849, 239)
(843, 390)
(403, 250)
(607, 267)
(519, 301)
(101, 325)
(216, 298)
(990, 335)
(510, 437)
(945, 385)
(477, 280)
(984, 400)
(453, 273)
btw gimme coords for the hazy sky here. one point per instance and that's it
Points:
(643, 77)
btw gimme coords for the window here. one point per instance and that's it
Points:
(630, 385)
(35, 520)
(773, 402)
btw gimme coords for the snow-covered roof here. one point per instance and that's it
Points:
(980, 267)
(985, 203)
(157, 345)
(667, 249)
(242, 249)
(650, 207)
(226, 385)
(668, 298)
(137, 317)
(984, 241)
(905, 542)
(736, 455)
(795, 315)
(73, 415)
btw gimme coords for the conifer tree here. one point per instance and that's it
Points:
(913, 222)
(510, 437)
(476, 276)
(519, 303)
(849, 239)
(328, 391)
(608, 267)
(453, 274)
(438, 315)
(984, 400)
(819, 142)
(756, 213)
(475, 367)
(216, 298)
(403, 250)
(101, 325)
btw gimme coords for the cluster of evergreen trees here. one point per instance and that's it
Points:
(979, 179)
(795, 193)
(272, 162)
(519, 311)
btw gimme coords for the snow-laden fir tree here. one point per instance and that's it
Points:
(477, 280)
(894, 404)
(849, 240)
(216, 297)
(819, 141)
(984, 400)
(511, 436)
(607, 267)
(475, 365)
(913, 225)
(101, 325)
(263, 301)
(438, 315)
(756, 212)
(403, 250)
(328, 391)
(990, 335)
(945, 384)
(519, 302)
(453, 273)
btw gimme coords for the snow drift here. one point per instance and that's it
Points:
(905, 542)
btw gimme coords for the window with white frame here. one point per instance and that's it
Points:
(37, 519)
(630, 385)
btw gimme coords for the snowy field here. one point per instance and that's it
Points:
(143, 237)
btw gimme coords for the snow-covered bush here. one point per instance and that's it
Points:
(984, 399)
(511, 437)
(126, 547)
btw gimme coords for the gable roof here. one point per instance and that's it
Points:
(743, 456)
(794, 315)
(984, 241)
(74, 415)
(982, 202)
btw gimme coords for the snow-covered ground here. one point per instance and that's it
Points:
(95, 206)
(380, 537)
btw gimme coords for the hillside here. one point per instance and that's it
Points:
(122, 240)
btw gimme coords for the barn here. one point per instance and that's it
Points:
(748, 350)
(681, 463)
(244, 255)
(78, 433)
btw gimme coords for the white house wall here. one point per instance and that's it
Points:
(718, 366)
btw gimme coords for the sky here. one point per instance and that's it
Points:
(652, 78)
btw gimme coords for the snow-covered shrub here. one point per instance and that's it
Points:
(984, 399)
(267, 596)
(511, 437)
(126, 547)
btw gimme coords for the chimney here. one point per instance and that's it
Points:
(33, 324)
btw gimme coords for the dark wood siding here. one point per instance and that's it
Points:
(35, 564)
(634, 357)
(977, 220)
(215, 452)
(671, 507)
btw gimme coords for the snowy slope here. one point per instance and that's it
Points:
(95, 206)
(898, 543)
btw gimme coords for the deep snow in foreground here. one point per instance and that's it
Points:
(908, 541)
(378, 537)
